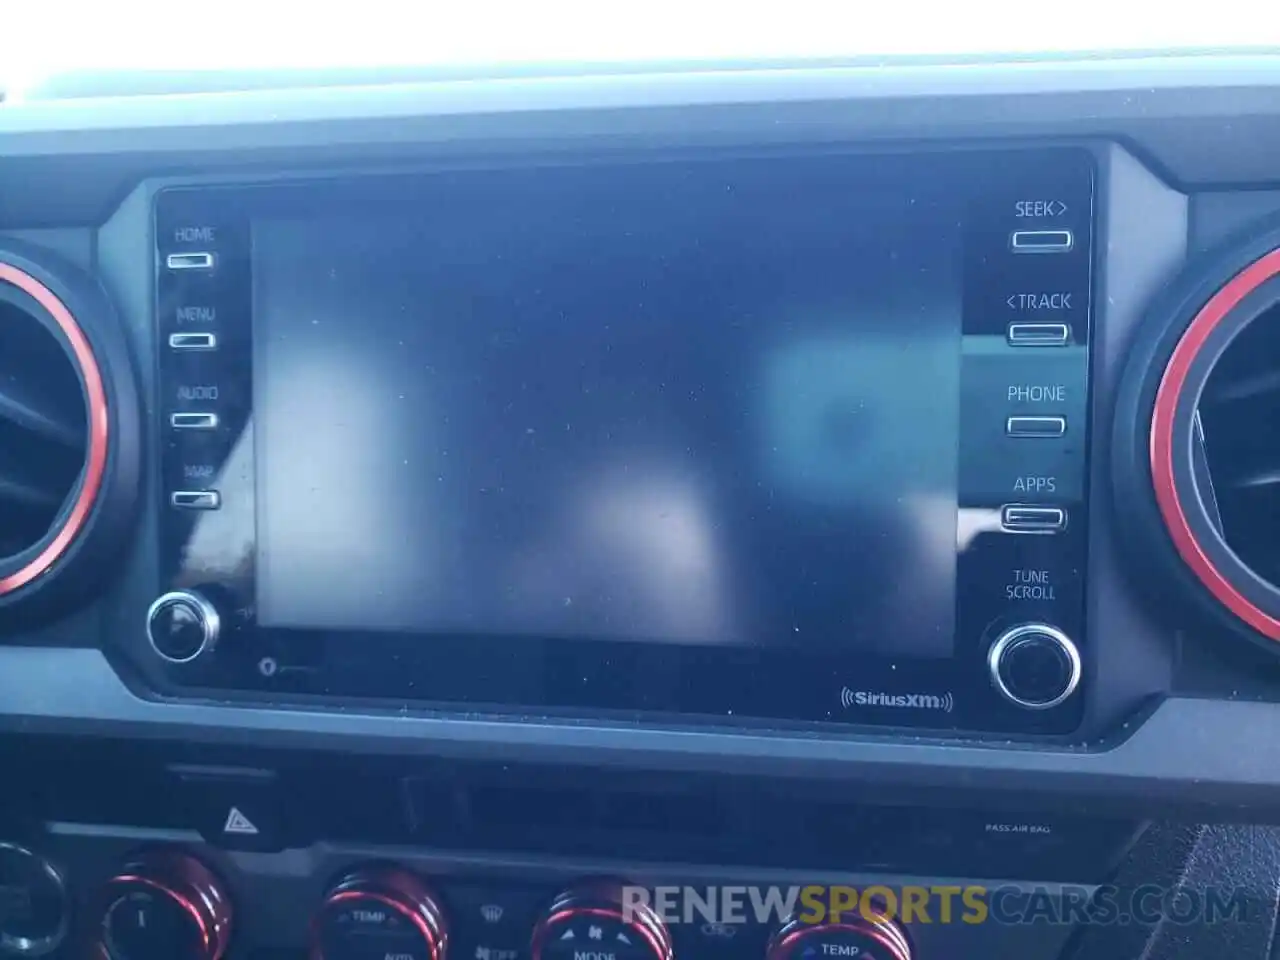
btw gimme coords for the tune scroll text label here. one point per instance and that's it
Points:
(1030, 584)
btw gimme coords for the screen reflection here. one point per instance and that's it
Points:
(662, 404)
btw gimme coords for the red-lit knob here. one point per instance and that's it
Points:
(376, 912)
(165, 905)
(866, 938)
(596, 922)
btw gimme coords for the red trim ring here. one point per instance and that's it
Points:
(1163, 446)
(184, 902)
(410, 913)
(96, 458)
(652, 938)
(892, 941)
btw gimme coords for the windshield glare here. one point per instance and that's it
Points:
(57, 36)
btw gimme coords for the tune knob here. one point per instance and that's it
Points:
(864, 937)
(1034, 666)
(596, 922)
(377, 912)
(165, 905)
(182, 626)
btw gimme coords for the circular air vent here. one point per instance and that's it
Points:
(1197, 464)
(1239, 431)
(63, 376)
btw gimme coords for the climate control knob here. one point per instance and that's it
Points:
(597, 922)
(183, 626)
(34, 906)
(866, 938)
(380, 911)
(1034, 666)
(165, 905)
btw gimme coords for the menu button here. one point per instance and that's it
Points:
(193, 341)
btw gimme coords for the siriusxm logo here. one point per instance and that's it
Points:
(902, 701)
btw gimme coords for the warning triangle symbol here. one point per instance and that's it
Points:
(237, 822)
(567, 935)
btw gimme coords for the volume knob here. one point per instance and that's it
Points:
(183, 626)
(1034, 666)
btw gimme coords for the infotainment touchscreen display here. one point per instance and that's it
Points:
(797, 435)
(683, 403)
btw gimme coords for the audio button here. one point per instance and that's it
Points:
(193, 421)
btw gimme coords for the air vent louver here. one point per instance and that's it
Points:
(1240, 419)
(70, 439)
(1196, 462)
(43, 431)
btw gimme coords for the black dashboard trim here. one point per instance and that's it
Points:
(71, 161)
(1128, 672)
(83, 696)
(449, 673)
(1192, 120)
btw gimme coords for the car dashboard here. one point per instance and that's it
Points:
(543, 515)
